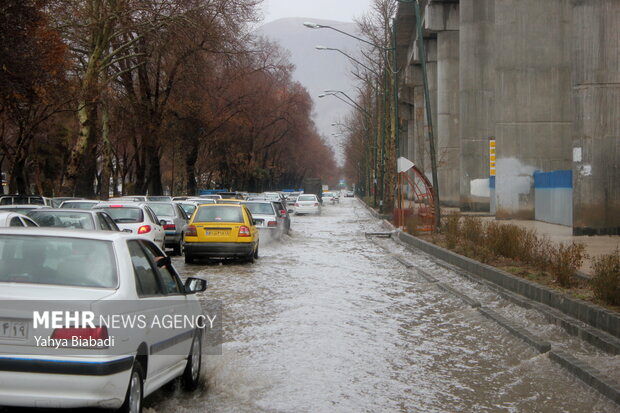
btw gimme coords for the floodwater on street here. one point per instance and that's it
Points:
(328, 321)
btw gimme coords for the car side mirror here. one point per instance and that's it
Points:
(195, 285)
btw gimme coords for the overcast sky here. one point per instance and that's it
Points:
(341, 10)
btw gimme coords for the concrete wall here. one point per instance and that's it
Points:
(543, 78)
(596, 93)
(448, 130)
(533, 117)
(477, 100)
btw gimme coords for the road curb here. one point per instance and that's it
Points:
(540, 345)
(593, 315)
(372, 211)
(596, 337)
(589, 375)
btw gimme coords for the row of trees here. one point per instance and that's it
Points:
(137, 96)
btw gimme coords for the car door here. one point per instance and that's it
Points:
(177, 305)
(151, 296)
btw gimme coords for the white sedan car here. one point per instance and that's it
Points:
(307, 204)
(79, 347)
(136, 218)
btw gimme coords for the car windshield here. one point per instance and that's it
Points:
(260, 209)
(162, 210)
(219, 214)
(78, 205)
(57, 261)
(188, 208)
(76, 220)
(125, 215)
(307, 198)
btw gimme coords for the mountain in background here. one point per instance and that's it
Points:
(319, 70)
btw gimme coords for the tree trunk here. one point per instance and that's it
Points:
(106, 162)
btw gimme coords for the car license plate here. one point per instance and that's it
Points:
(213, 233)
(13, 329)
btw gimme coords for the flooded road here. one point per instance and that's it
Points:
(327, 321)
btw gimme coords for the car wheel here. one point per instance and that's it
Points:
(189, 259)
(178, 249)
(135, 391)
(256, 253)
(191, 376)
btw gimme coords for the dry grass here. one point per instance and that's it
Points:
(606, 281)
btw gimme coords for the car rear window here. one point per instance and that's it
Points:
(159, 198)
(57, 261)
(162, 210)
(78, 205)
(74, 220)
(219, 214)
(125, 215)
(307, 198)
(189, 209)
(260, 209)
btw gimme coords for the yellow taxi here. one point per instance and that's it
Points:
(221, 231)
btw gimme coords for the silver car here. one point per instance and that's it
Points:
(174, 222)
(135, 218)
(74, 218)
(266, 218)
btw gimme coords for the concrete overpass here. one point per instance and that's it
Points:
(542, 78)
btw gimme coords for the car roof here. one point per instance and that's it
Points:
(64, 232)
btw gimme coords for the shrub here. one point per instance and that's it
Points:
(606, 281)
(472, 230)
(565, 260)
(450, 228)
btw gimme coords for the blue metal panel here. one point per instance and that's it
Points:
(553, 179)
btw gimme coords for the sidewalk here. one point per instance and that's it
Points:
(595, 245)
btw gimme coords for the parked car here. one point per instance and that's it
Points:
(127, 276)
(349, 194)
(175, 222)
(136, 218)
(284, 215)
(25, 200)
(266, 218)
(22, 209)
(221, 231)
(74, 218)
(307, 204)
(14, 219)
(79, 204)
